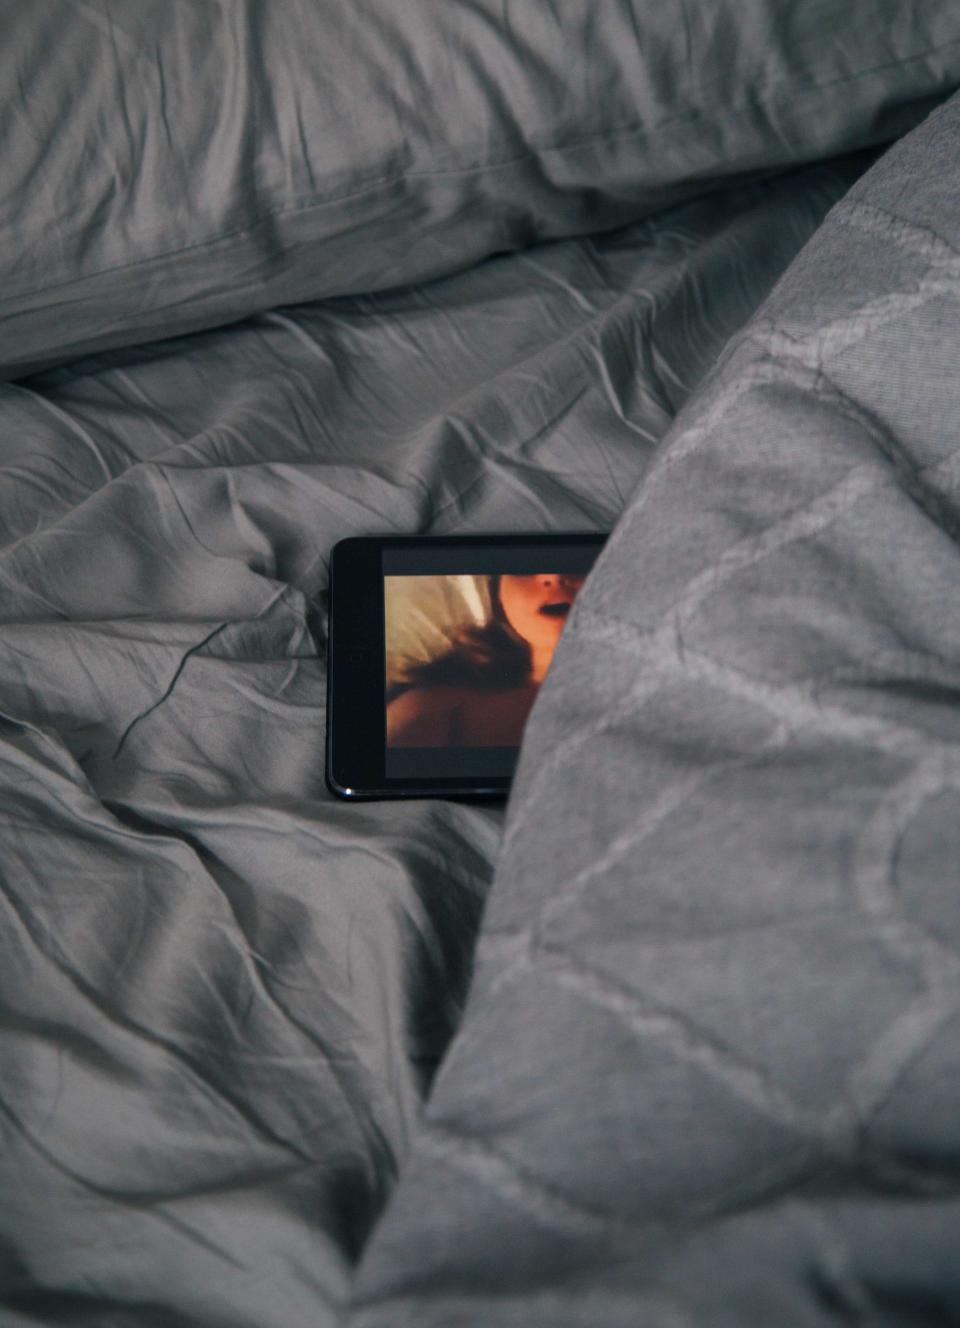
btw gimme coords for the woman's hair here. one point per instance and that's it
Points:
(490, 656)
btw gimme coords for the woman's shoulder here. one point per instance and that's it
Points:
(425, 710)
(443, 693)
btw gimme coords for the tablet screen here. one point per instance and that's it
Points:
(468, 639)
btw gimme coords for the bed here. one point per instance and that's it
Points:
(673, 1037)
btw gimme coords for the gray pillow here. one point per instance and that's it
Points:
(165, 167)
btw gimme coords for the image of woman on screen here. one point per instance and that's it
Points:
(479, 691)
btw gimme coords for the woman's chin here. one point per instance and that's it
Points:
(547, 636)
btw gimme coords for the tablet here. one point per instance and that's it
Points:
(437, 650)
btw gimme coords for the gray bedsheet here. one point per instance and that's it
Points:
(705, 1069)
(709, 1072)
(222, 994)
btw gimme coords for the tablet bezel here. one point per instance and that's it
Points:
(356, 662)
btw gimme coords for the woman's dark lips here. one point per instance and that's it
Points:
(559, 610)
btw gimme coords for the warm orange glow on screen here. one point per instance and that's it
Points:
(465, 655)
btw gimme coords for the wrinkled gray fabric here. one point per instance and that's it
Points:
(166, 167)
(223, 994)
(709, 1071)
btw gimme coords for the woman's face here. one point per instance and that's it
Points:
(536, 607)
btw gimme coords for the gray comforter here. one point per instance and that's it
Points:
(707, 1068)
(710, 1067)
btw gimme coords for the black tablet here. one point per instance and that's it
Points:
(437, 650)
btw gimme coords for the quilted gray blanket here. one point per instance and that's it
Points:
(709, 1072)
